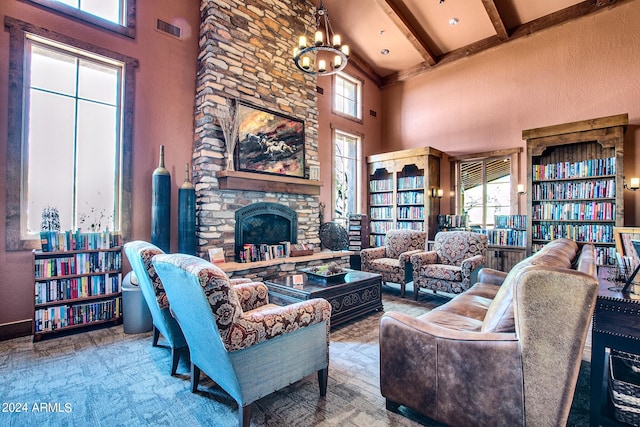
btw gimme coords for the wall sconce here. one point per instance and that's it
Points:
(437, 192)
(521, 189)
(634, 184)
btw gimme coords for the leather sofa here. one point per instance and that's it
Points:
(505, 352)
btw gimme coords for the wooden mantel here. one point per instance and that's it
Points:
(236, 180)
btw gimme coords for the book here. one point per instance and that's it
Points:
(216, 255)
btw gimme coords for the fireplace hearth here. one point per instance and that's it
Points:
(264, 223)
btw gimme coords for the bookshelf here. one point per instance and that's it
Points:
(452, 222)
(509, 230)
(400, 186)
(575, 183)
(77, 285)
(358, 230)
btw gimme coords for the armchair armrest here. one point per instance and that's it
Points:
(422, 258)
(491, 276)
(370, 254)
(406, 256)
(239, 280)
(260, 325)
(471, 265)
(252, 295)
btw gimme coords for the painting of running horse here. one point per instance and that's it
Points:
(269, 142)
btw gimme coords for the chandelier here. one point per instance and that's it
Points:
(326, 54)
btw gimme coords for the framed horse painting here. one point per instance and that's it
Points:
(269, 142)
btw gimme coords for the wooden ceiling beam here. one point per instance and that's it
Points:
(496, 19)
(560, 17)
(408, 30)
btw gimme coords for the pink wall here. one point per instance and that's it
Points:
(164, 98)
(369, 129)
(584, 69)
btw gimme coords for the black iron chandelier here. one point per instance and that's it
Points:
(320, 52)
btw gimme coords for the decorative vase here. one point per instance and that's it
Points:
(187, 216)
(161, 206)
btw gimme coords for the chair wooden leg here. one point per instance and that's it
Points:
(195, 377)
(156, 335)
(175, 358)
(416, 288)
(244, 413)
(323, 377)
(402, 287)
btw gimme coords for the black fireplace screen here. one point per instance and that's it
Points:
(264, 223)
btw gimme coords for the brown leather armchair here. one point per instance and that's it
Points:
(505, 352)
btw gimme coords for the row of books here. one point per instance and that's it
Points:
(52, 241)
(604, 255)
(263, 252)
(583, 169)
(506, 237)
(53, 318)
(600, 188)
(80, 263)
(381, 185)
(411, 182)
(452, 221)
(601, 233)
(381, 199)
(411, 197)
(575, 211)
(411, 212)
(411, 225)
(381, 226)
(381, 213)
(510, 221)
(77, 287)
(377, 240)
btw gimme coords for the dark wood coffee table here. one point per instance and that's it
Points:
(350, 296)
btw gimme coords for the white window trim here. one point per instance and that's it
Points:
(359, 102)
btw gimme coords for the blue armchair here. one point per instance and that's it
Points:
(139, 254)
(247, 346)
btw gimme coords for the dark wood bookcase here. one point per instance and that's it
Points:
(400, 185)
(575, 183)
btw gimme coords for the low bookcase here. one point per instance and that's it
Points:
(76, 289)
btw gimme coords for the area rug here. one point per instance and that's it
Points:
(107, 378)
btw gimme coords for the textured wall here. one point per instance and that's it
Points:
(245, 51)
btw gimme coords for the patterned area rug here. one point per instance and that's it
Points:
(107, 378)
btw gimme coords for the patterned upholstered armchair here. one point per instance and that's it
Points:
(139, 254)
(453, 264)
(391, 259)
(247, 346)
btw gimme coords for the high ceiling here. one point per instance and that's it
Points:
(419, 34)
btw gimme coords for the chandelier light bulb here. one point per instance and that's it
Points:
(322, 65)
(337, 41)
(306, 63)
(337, 61)
(318, 38)
(302, 44)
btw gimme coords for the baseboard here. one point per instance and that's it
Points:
(21, 328)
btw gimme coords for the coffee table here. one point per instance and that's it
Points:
(350, 296)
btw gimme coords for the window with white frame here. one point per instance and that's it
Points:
(346, 175)
(347, 96)
(115, 15)
(73, 139)
(69, 133)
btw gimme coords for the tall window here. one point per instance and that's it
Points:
(347, 96)
(346, 179)
(73, 137)
(70, 128)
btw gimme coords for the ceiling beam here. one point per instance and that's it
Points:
(565, 15)
(496, 19)
(408, 30)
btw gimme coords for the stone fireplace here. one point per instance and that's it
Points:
(245, 54)
(264, 223)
